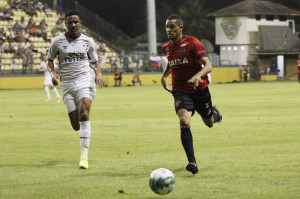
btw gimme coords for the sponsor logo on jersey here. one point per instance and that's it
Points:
(75, 57)
(175, 62)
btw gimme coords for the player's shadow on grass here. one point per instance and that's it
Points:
(40, 164)
(201, 170)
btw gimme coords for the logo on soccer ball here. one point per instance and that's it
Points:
(162, 181)
(65, 47)
(177, 103)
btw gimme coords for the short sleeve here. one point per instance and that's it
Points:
(53, 50)
(198, 48)
(93, 51)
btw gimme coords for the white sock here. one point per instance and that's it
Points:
(55, 92)
(84, 135)
(47, 91)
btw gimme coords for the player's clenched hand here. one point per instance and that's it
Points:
(99, 80)
(165, 84)
(54, 79)
(195, 80)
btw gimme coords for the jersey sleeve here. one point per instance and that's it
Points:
(93, 52)
(198, 48)
(53, 51)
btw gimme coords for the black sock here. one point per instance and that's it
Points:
(187, 143)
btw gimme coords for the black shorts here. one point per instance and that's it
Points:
(199, 101)
(298, 76)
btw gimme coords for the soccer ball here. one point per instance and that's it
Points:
(162, 181)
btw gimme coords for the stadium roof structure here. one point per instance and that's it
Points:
(274, 39)
(254, 7)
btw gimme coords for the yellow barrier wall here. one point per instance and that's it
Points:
(268, 77)
(219, 74)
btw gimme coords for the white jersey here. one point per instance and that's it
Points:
(74, 56)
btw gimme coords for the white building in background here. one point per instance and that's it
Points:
(238, 28)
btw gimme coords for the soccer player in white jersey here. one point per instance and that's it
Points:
(48, 79)
(75, 52)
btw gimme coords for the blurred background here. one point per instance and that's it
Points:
(248, 39)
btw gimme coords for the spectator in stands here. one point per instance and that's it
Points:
(59, 25)
(33, 31)
(140, 63)
(1, 14)
(43, 23)
(23, 23)
(17, 26)
(11, 37)
(20, 37)
(11, 48)
(9, 26)
(14, 4)
(47, 10)
(1, 48)
(136, 79)
(36, 5)
(2, 36)
(7, 13)
(25, 62)
(13, 64)
(125, 63)
(30, 23)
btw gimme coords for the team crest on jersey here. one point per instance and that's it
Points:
(177, 103)
(182, 51)
(86, 47)
(167, 48)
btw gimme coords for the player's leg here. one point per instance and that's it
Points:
(85, 94)
(55, 92)
(184, 109)
(210, 114)
(48, 98)
(74, 119)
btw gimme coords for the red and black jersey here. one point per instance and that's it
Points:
(184, 61)
(298, 66)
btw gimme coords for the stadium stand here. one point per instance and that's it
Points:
(26, 30)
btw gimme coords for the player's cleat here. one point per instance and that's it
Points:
(192, 167)
(83, 164)
(47, 99)
(217, 112)
(58, 99)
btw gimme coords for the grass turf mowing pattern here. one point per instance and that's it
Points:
(252, 153)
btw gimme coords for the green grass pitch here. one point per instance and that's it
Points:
(253, 153)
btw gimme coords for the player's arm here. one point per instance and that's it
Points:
(202, 73)
(98, 79)
(164, 78)
(51, 69)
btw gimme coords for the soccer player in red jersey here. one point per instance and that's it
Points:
(189, 65)
(298, 68)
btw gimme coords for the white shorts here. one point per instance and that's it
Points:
(48, 81)
(73, 92)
